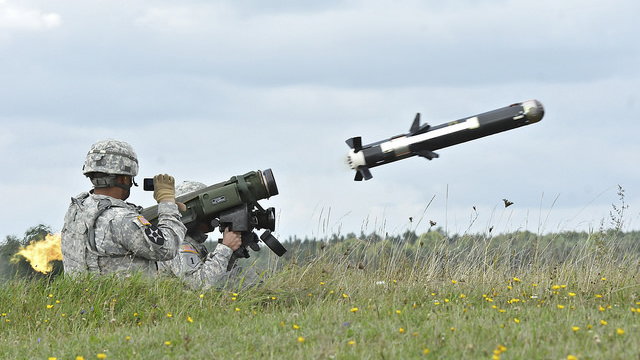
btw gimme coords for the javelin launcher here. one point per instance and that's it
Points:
(231, 204)
(422, 140)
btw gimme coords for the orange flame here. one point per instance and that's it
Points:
(40, 254)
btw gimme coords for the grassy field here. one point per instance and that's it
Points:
(445, 302)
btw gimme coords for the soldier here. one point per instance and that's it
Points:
(102, 233)
(202, 269)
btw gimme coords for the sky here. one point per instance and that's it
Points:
(205, 90)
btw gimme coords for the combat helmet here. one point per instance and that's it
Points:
(108, 158)
(189, 186)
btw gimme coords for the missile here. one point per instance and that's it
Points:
(423, 140)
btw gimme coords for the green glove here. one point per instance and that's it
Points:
(164, 188)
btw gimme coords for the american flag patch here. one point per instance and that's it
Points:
(186, 248)
(143, 221)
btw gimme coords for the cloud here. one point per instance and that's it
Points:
(24, 19)
(207, 90)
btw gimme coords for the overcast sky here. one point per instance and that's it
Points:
(204, 90)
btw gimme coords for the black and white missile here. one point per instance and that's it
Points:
(423, 140)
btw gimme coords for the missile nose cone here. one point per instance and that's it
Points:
(533, 110)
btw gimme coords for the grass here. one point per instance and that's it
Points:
(353, 300)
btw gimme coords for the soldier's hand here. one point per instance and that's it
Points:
(232, 239)
(164, 188)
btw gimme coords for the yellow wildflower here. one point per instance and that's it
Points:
(189, 319)
(354, 309)
(237, 309)
(603, 322)
(79, 357)
(454, 282)
(516, 320)
(101, 356)
(398, 312)
(426, 351)
(619, 331)
(401, 330)
(168, 343)
(169, 315)
(351, 342)
(516, 279)
(560, 306)
(572, 294)
(571, 357)
(295, 327)
(575, 328)
(300, 339)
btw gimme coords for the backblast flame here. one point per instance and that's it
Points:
(40, 254)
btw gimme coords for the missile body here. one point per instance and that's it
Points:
(423, 140)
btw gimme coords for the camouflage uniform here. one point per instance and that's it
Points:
(199, 268)
(102, 234)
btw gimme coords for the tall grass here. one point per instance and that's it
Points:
(370, 297)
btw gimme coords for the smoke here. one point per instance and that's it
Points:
(40, 254)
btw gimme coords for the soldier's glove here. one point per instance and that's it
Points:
(164, 188)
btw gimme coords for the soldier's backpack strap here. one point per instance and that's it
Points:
(103, 205)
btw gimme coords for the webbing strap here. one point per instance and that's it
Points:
(103, 205)
(243, 187)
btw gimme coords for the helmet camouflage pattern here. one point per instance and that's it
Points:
(189, 186)
(111, 157)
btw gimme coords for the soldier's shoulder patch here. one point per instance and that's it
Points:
(186, 248)
(154, 234)
(143, 220)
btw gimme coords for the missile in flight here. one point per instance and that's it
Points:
(423, 140)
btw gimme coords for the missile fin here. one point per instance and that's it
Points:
(355, 143)
(363, 173)
(416, 128)
(429, 155)
(416, 124)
